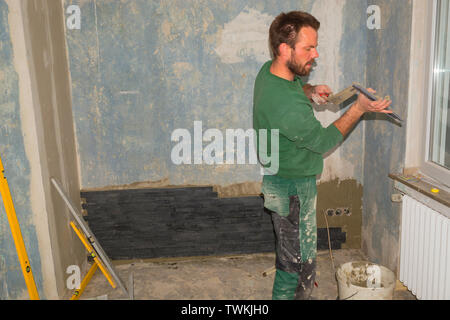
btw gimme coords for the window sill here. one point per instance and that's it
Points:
(420, 189)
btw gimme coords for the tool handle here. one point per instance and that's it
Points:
(374, 98)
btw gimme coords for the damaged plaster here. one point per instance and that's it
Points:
(141, 70)
(19, 159)
(388, 71)
(245, 36)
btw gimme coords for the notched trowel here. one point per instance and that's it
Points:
(349, 92)
(342, 96)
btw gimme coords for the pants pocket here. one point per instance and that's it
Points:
(276, 197)
(276, 203)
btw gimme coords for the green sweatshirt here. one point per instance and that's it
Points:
(282, 104)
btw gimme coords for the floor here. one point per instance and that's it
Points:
(240, 277)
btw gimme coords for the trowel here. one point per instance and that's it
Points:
(342, 96)
(349, 92)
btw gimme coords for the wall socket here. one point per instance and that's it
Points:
(338, 212)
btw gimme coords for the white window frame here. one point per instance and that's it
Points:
(420, 92)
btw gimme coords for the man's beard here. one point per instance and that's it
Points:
(298, 69)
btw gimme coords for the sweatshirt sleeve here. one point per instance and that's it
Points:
(301, 126)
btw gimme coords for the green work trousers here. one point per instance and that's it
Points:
(292, 203)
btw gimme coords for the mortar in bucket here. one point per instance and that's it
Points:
(363, 280)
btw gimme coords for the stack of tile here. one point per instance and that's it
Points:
(174, 222)
(337, 237)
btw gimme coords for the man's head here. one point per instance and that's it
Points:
(293, 40)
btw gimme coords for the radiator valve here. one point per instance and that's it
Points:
(396, 197)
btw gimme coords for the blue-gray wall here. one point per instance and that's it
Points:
(141, 69)
(17, 171)
(388, 72)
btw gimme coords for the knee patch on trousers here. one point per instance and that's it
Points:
(288, 257)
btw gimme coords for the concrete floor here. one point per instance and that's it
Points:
(216, 278)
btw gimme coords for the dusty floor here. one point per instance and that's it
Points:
(216, 278)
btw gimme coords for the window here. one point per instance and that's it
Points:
(436, 162)
(439, 144)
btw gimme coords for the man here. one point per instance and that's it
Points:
(282, 101)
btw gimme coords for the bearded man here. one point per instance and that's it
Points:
(282, 101)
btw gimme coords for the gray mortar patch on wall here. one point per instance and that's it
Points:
(342, 194)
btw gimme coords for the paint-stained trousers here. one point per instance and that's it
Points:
(293, 207)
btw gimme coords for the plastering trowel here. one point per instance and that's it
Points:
(349, 92)
(342, 96)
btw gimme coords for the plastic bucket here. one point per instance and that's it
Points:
(363, 280)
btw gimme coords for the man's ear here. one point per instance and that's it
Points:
(285, 50)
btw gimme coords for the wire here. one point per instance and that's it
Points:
(329, 241)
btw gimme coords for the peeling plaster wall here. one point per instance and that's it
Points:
(388, 72)
(141, 69)
(37, 142)
(342, 60)
(55, 137)
(17, 171)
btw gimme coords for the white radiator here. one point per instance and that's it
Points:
(425, 251)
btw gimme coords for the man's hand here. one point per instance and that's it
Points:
(364, 105)
(320, 94)
(348, 120)
(317, 94)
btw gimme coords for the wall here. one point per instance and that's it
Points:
(343, 62)
(38, 143)
(17, 171)
(142, 69)
(47, 55)
(388, 72)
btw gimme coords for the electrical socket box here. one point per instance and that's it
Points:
(338, 212)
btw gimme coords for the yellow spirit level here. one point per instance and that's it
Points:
(17, 235)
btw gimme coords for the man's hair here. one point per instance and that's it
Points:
(286, 27)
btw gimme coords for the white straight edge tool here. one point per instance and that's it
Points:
(90, 236)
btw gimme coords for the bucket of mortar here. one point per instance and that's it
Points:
(363, 280)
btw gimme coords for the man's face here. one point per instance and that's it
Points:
(304, 53)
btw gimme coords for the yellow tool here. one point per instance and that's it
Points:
(97, 264)
(94, 248)
(17, 235)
